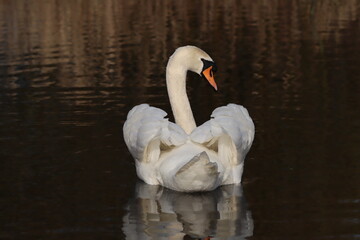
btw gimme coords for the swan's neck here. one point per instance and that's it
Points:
(176, 87)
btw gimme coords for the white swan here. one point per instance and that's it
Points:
(181, 156)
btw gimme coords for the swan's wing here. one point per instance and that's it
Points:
(230, 131)
(146, 130)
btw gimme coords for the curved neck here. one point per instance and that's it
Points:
(176, 87)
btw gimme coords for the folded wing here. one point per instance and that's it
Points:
(146, 131)
(230, 132)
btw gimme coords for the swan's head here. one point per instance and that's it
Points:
(191, 58)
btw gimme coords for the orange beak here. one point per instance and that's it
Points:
(208, 74)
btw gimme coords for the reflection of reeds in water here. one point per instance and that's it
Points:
(91, 43)
(264, 49)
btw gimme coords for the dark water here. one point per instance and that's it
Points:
(71, 70)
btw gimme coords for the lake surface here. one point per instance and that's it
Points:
(71, 70)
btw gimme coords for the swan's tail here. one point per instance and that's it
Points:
(199, 174)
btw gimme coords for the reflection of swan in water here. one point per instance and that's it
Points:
(160, 213)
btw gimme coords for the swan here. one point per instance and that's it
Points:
(182, 156)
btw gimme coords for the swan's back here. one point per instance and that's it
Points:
(212, 155)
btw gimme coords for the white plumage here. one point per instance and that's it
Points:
(181, 156)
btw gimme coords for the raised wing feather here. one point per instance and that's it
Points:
(230, 129)
(146, 129)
